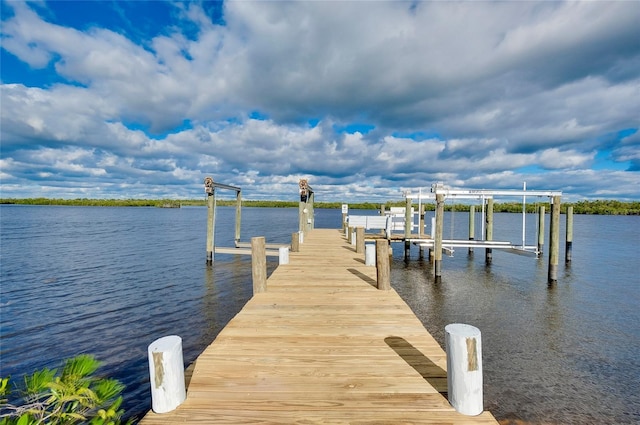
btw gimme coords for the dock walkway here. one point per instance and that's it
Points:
(321, 346)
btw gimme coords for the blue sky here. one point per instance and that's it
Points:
(365, 99)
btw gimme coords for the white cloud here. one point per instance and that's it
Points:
(497, 87)
(571, 159)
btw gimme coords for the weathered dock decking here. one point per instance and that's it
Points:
(321, 346)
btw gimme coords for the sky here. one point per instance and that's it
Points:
(365, 99)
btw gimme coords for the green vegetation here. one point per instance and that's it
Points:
(602, 207)
(73, 396)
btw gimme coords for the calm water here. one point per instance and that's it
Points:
(109, 281)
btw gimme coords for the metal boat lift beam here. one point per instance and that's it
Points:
(449, 245)
(481, 193)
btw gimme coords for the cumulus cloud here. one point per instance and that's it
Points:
(481, 94)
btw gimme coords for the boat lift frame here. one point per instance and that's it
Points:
(480, 194)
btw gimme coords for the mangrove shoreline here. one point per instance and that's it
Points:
(598, 207)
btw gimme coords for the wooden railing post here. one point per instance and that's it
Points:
(258, 264)
(382, 264)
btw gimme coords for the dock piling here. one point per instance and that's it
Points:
(360, 240)
(408, 224)
(569, 235)
(258, 264)
(472, 230)
(437, 250)
(238, 215)
(488, 252)
(540, 229)
(382, 264)
(295, 242)
(370, 255)
(210, 191)
(283, 255)
(554, 240)
(464, 368)
(166, 371)
(305, 207)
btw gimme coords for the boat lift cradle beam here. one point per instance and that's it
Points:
(449, 245)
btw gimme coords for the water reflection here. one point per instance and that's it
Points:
(565, 353)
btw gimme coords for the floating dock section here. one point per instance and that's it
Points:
(322, 345)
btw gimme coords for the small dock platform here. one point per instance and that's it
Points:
(321, 346)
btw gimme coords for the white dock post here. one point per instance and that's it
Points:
(370, 254)
(283, 255)
(464, 368)
(166, 369)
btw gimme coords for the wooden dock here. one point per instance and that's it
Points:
(322, 346)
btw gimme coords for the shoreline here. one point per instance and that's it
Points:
(596, 207)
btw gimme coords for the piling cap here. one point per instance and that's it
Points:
(462, 329)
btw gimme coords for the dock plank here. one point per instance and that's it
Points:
(321, 346)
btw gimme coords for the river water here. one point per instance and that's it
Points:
(109, 281)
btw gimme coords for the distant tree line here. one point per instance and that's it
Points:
(598, 207)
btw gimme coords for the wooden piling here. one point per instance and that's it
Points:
(360, 240)
(554, 240)
(210, 226)
(295, 242)
(540, 229)
(421, 230)
(302, 217)
(166, 370)
(472, 231)
(238, 214)
(258, 264)
(382, 264)
(569, 235)
(488, 252)
(438, 239)
(464, 368)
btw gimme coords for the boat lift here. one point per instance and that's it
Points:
(449, 245)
